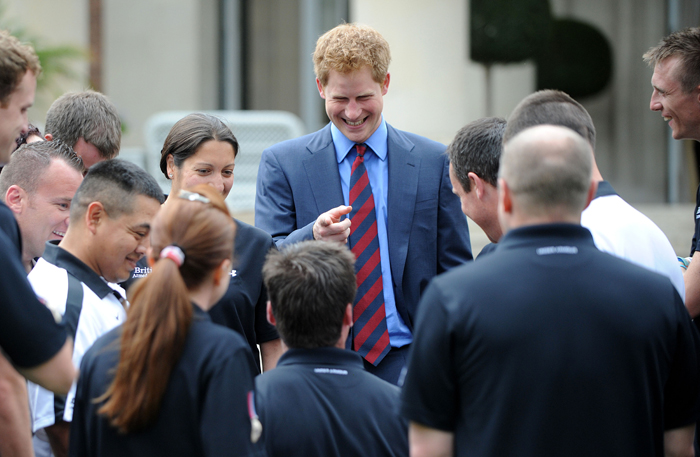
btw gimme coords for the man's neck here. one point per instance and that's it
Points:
(79, 246)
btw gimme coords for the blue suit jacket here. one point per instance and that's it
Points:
(298, 180)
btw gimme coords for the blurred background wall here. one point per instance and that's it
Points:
(156, 55)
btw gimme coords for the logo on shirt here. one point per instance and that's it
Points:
(331, 371)
(233, 273)
(549, 250)
(140, 272)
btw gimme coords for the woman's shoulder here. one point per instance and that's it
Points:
(216, 338)
(253, 239)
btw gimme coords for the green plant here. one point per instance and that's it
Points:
(56, 61)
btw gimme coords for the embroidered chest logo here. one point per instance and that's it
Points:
(233, 273)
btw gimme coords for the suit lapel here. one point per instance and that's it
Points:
(322, 171)
(404, 164)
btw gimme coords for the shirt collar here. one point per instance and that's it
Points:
(546, 234)
(330, 356)
(377, 142)
(604, 189)
(58, 256)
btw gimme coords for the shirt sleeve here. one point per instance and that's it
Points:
(225, 425)
(264, 331)
(29, 335)
(682, 389)
(429, 395)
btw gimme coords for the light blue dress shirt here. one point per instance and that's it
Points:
(378, 173)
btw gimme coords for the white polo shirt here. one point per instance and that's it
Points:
(622, 231)
(90, 308)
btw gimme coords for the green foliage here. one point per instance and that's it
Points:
(508, 31)
(571, 56)
(56, 61)
(578, 60)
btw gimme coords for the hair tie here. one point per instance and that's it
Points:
(173, 253)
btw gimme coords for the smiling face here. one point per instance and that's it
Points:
(681, 109)
(123, 240)
(354, 102)
(13, 115)
(211, 164)
(46, 214)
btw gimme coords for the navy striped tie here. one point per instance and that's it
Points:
(370, 334)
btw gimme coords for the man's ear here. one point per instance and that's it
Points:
(16, 199)
(476, 184)
(320, 89)
(385, 84)
(48, 137)
(591, 192)
(505, 196)
(94, 215)
(347, 318)
(270, 316)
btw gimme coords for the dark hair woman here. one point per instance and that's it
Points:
(170, 381)
(201, 149)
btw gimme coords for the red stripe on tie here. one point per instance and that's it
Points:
(358, 218)
(378, 348)
(368, 267)
(366, 239)
(358, 160)
(368, 298)
(359, 186)
(369, 327)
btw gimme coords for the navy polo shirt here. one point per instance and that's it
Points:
(548, 346)
(321, 402)
(696, 234)
(203, 412)
(29, 335)
(243, 307)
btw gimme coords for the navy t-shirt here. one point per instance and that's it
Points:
(343, 410)
(29, 335)
(696, 235)
(204, 409)
(548, 346)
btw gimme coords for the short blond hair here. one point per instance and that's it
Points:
(15, 60)
(350, 47)
(686, 45)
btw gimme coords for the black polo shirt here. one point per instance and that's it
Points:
(203, 412)
(696, 215)
(321, 402)
(8, 224)
(243, 306)
(486, 250)
(29, 335)
(548, 346)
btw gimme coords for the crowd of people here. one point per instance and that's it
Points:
(352, 318)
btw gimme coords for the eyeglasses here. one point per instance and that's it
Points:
(193, 196)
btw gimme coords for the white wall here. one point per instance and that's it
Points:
(435, 89)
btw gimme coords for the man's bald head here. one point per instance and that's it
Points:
(548, 171)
